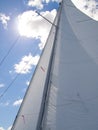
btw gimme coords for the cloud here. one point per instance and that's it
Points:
(39, 3)
(30, 24)
(9, 128)
(4, 19)
(17, 102)
(2, 85)
(26, 63)
(1, 128)
(35, 3)
(89, 7)
(27, 83)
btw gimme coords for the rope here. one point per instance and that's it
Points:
(12, 82)
(10, 49)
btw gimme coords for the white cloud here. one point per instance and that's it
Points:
(39, 3)
(9, 128)
(2, 85)
(27, 83)
(89, 7)
(26, 63)
(4, 19)
(30, 24)
(1, 128)
(17, 102)
(35, 3)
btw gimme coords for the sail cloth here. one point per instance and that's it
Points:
(70, 65)
(73, 97)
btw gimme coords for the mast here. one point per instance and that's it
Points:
(48, 79)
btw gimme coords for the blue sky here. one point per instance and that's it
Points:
(22, 36)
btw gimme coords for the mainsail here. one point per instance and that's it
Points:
(63, 93)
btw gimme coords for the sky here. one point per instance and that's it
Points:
(22, 37)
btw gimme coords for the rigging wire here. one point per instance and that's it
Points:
(9, 86)
(17, 75)
(10, 49)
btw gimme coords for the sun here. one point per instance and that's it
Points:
(24, 28)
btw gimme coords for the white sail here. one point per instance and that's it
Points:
(72, 102)
(67, 72)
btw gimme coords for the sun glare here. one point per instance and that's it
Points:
(23, 28)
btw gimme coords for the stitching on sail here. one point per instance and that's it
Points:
(42, 69)
(23, 117)
(85, 20)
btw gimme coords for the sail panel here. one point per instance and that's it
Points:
(85, 28)
(72, 102)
